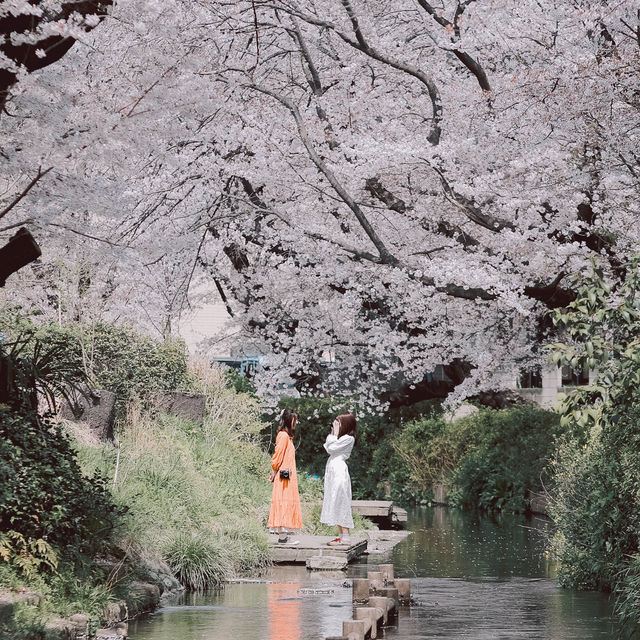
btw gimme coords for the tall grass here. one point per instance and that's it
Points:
(197, 494)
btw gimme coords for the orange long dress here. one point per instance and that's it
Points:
(285, 499)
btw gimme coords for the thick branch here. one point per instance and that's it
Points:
(223, 297)
(471, 211)
(54, 47)
(378, 191)
(362, 45)
(472, 65)
(385, 255)
(313, 77)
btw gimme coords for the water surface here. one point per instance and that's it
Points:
(472, 577)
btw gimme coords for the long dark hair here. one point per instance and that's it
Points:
(347, 425)
(288, 420)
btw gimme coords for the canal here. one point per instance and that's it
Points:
(472, 577)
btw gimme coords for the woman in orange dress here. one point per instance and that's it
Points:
(285, 514)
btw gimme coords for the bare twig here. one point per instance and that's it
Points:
(26, 190)
(84, 235)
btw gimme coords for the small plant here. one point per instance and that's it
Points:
(27, 623)
(28, 555)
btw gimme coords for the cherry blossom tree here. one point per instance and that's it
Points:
(401, 184)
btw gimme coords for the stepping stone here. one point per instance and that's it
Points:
(326, 563)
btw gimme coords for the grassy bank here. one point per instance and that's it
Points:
(196, 498)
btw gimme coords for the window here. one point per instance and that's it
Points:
(531, 378)
(575, 376)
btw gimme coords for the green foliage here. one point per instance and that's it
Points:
(121, 360)
(27, 623)
(492, 458)
(376, 469)
(431, 450)
(597, 481)
(113, 357)
(43, 493)
(30, 368)
(505, 459)
(28, 555)
(240, 383)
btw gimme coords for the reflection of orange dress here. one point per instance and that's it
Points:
(284, 611)
(285, 499)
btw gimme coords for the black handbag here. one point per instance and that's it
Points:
(284, 474)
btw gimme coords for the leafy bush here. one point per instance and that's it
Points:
(492, 458)
(113, 357)
(597, 482)
(43, 493)
(505, 458)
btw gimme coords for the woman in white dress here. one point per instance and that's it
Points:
(336, 505)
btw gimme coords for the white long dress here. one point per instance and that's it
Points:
(336, 505)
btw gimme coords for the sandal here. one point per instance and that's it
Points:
(283, 540)
(334, 542)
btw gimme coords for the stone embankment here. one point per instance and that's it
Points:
(156, 584)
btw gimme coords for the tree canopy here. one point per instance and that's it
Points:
(404, 184)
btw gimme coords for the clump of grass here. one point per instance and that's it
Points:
(247, 544)
(198, 561)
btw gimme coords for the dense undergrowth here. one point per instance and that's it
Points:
(490, 460)
(596, 504)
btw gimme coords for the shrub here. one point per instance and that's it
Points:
(193, 490)
(44, 494)
(505, 458)
(113, 357)
(492, 458)
(597, 490)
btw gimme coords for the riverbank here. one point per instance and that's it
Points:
(471, 576)
(196, 498)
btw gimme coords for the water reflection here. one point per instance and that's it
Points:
(284, 611)
(473, 577)
(449, 543)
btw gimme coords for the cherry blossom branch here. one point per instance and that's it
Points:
(358, 253)
(25, 191)
(313, 76)
(468, 61)
(362, 45)
(365, 47)
(84, 235)
(470, 210)
(223, 297)
(17, 224)
(385, 254)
